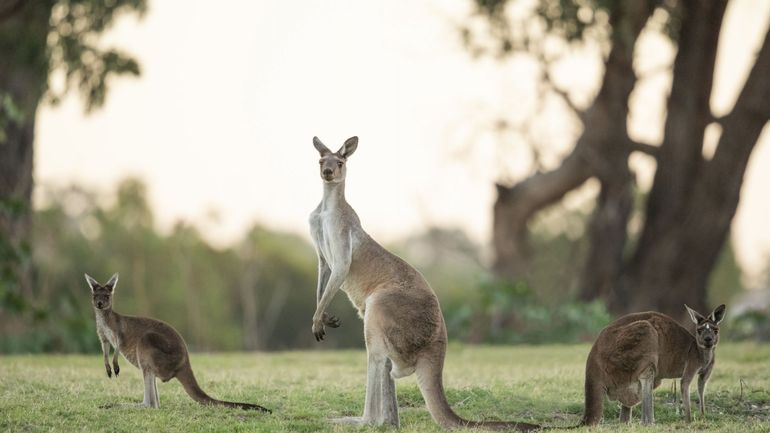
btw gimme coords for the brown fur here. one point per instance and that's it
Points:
(150, 345)
(642, 349)
(403, 325)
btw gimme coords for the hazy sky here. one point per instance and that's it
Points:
(230, 97)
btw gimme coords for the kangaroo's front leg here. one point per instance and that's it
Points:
(324, 272)
(339, 263)
(702, 379)
(335, 281)
(106, 353)
(115, 365)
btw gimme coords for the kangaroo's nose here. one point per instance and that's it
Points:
(708, 339)
(327, 171)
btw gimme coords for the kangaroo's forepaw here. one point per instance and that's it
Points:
(117, 370)
(331, 321)
(109, 371)
(318, 331)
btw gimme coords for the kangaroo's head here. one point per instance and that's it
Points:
(101, 295)
(332, 164)
(707, 328)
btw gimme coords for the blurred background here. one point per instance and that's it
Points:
(547, 164)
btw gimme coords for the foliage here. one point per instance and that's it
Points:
(541, 384)
(9, 113)
(11, 255)
(751, 325)
(74, 51)
(52, 39)
(501, 28)
(510, 313)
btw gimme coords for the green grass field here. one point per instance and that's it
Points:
(541, 384)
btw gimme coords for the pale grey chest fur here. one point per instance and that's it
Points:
(104, 331)
(325, 227)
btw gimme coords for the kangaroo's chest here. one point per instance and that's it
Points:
(326, 229)
(106, 332)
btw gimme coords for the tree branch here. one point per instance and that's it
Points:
(647, 149)
(551, 84)
(11, 10)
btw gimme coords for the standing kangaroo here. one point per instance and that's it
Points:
(632, 355)
(403, 326)
(150, 345)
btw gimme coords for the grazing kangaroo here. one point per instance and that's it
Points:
(150, 345)
(404, 329)
(632, 355)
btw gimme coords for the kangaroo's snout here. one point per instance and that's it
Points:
(328, 172)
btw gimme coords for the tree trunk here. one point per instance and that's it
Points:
(15, 213)
(23, 83)
(607, 230)
(665, 271)
(604, 134)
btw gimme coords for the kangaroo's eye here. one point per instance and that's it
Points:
(320, 162)
(716, 331)
(339, 163)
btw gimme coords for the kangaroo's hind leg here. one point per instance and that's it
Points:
(150, 390)
(374, 393)
(647, 380)
(156, 358)
(388, 402)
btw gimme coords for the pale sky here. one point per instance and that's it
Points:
(230, 97)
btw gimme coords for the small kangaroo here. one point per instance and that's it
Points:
(404, 329)
(632, 355)
(152, 346)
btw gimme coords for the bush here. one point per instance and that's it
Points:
(505, 312)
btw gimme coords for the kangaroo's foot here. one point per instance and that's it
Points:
(351, 420)
(135, 405)
(359, 420)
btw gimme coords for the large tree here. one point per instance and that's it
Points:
(693, 198)
(47, 47)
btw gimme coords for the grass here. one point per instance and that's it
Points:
(543, 384)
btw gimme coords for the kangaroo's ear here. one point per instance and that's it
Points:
(350, 146)
(113, 281)
(91, 282)
(323, 150)
(718, 314)
(694, 315)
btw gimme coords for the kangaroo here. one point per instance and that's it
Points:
(152, 346)
(632, 355)
(404, 329)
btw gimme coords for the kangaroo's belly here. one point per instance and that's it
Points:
(130, 356)
(356, 295)
(628, 395)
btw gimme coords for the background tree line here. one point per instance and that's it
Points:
(258, 293)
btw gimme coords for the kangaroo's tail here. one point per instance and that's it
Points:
(594, 393)
(187, 378)
(429, 372)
